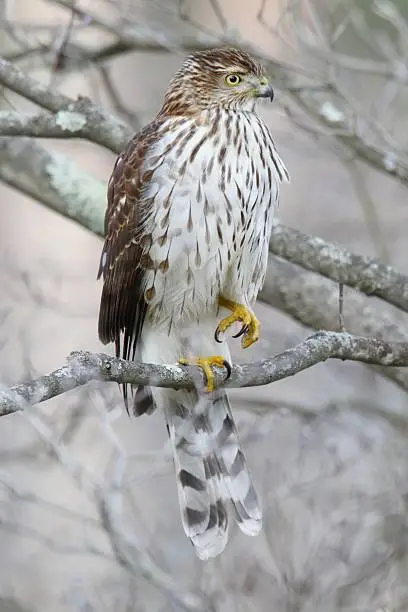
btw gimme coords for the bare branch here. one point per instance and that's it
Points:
(81, 115)
(83, 367)
(313, 301)
(366, 274)
(54, 180)
(13, 78)
(64, 124)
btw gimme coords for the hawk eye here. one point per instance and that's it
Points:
(232, 79)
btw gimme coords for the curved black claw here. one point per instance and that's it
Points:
(228, 367)
(242, 331)
(217, 336)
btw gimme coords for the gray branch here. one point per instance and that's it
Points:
(80, 118)
(83, 367)
(72, 123)
(379, 158)
(314, 302)
(54, 180)
(366, 274)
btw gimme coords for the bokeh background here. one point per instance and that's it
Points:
(328, 447)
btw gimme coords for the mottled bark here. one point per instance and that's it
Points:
(82, 367)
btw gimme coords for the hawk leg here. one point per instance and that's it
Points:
(205, 363)
(250, 324)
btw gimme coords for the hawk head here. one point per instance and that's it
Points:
(224, 78)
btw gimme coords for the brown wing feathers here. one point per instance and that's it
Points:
(123, 259)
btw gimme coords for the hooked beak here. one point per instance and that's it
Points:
(265, 90)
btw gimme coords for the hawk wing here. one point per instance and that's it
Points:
(125, 256)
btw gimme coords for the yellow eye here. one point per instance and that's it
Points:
(232, 79)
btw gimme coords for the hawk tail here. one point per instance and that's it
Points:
(211, 471)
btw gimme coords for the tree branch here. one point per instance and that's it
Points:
(80, 117)
(314, 302)
(83, 367)
(64, 124)
(54, 180)
(367, 274)
(387, 161)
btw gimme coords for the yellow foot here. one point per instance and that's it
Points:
(205, 363)
(250, 324)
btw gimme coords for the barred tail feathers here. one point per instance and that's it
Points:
(235, 471)
(211, 471)
(201, 499)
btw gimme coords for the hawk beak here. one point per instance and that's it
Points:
(265, 89)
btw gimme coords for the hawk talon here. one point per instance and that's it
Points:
(250, 324)
(205, 364)
(244, 330)
(217, 336)
(228, 367)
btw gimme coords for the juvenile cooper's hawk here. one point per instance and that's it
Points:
(190, 208)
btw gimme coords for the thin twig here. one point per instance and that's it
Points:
(341, 304)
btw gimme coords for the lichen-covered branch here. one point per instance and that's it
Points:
(54, 180)
(63, 124)
(366, 274)
(314, 301)
(83, 367)
(79, 118)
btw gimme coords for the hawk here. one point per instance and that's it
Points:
(191, 202)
